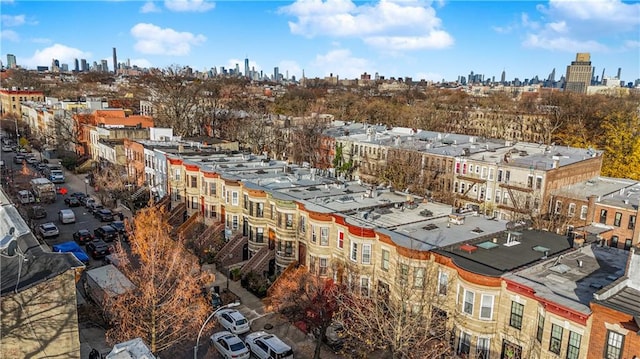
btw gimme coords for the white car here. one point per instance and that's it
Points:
(229, 345)
(233, 321)
(265, 346)
(6, 148)
(48, 229)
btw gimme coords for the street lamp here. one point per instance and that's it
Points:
(86, 182)
(230, 305)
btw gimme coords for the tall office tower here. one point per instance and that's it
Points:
(64, 67)
(11, 61)
(579, 73)
(84, 65)
(503, 77)
(76, 65)
(115, 61)
(619, 72)
(237, 71)
(602, 77)
(128, 63)
(105, 66)
(276, 74)
(246, 68)
(593, 76)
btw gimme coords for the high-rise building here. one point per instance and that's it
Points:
(276, 74)
(84, 66)
(11, 61)
(105, 66)
(76, 66)
(579, 73)
(115, 62)
(619, 72)
(246, 68)
(503, 77)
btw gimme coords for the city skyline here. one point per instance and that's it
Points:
(422, 40)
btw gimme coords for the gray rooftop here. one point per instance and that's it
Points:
(619, 192)
(572, 279)
(31, 264)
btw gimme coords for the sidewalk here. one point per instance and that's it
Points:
(253, 309)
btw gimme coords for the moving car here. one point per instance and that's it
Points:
(106, 233)
(48, 230)
(266, 346)
(83, 236)
(233, 321)
(104, 215)
(98, 249)
(72, 201)
(229, 345)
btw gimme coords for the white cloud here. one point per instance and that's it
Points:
(148, 7)
(409, 25)
(291, 66)
(152, 39)
(17, 20)
(593, 25)
(632, 44)
(189, 5)
(41, 40)
(9, 35)
(349, 66)
(63, 53)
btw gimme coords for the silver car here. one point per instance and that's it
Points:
(229, 345)
(48, 229)
(233, 321)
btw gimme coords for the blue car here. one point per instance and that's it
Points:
(72, 247)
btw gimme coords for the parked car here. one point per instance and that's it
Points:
(98, 249)
(31, 160)
(18, 159)
(48, 230)
(104, 215)
(72, 201)
(7, 148)
(265, 346)
(40, 167)
(94, 207)
(334, 337)
(78, 195)
(233, 321)
(229, 345)
(37, 212)
(106, 233)
(88, 201)
(122, 230)
(83, 236)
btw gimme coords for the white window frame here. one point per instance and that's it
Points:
(314, 234)
(366, 253)
(385, 263)
(418, 277)
(584, 211)
(353, 252)
(483, 305)
(324, 236)
(234, 198)
(464, 301)
(365, 285)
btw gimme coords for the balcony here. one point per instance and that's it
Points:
(471, 178)
(522, 187)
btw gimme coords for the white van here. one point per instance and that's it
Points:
(66, 216)
(26, 197)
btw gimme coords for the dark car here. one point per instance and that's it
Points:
(72, 201)
(104, 215)
(94, 207)
(78, 195)
(121, 228)
(18, 159)
(37, 212)
(106, 233)
(98, 249)
(83, 236)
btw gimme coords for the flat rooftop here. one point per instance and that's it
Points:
(620, 192)
(572, 279)
(496, 253)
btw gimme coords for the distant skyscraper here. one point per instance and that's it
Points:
(276, 74)
(64, 67)
(246, 68)
(602, 77)
(104, 66)
(579, 73)
(11, 61)
(55, 65)
(619, 72)
(76, 66)
(237, 71)
(115, 62)
(503, 77)
(84, 66)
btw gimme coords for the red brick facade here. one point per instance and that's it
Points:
(604, 320)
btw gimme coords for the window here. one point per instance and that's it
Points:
(340, 242)
(212, 189)
(617, 219)
(558, 208)
(177, 174)
(234, 198)
(273, 211)
(385, 260)
(443, 283)
(538, 182)
(556, 339)
(212, 211)
(632, 222)
(193, 181)
(627, 244)
(364, 286)
(324, 236)
(516, 315)
(482, 348)
(507, 176)
(583, 212)
(573, 347)
(497, 196)
(404, 274)
(354, 251)
(260, 210)
(245, 200)
(467, 306)
(613, 349)
(235, 222)
(323, 266)
(490, 174)
(614, 242)
(530, 181)
(366, 254)
(418, 277)
(486, 307)
(464, 347)
(302, 224)
(572, 209)
(603, 216)
(540, 330)
(314, 234)
(259, 235)
(194, 202)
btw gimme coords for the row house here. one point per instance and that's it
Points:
(512, 293)
(10, 100)
(114, 136)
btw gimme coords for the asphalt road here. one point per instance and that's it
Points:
(73, 183)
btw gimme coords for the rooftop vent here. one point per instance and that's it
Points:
(477, 230)
(468, 248)
(430, 227)
(560, 269)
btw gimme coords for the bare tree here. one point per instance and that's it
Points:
(305, 142)
(110, 184)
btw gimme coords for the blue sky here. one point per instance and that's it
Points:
(421, 39)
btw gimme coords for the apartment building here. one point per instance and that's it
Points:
(10, 100)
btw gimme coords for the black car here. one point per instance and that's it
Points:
(106, 233)
(78, 195)
(83, 236)
(98, 249)
(37, 212)
(121, 228)
(72, 201)
(94, 207)
(104, 215)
